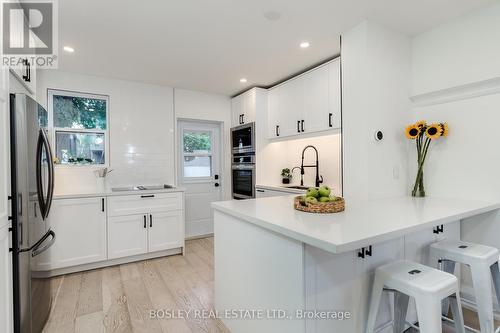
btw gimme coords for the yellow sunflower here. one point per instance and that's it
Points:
(421, 124)
(433, 131)
(444, 129)
(412, 131)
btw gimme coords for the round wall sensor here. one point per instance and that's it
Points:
(379, 135)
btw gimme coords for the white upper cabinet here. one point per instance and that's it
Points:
(306, 104)
(243, 107)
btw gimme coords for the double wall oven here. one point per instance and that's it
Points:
(243, 161)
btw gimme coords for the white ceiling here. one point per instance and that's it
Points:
(209, 45)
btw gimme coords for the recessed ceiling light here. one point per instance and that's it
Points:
(243, 80)
(69, 49)
(304, 45)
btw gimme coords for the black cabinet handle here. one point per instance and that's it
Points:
(298, 126)
(102, 204)
(261, 191)
(302, 125)
(145, 222)
(330, 115)
(366, 251)
(243, 118)
(439, 229)
(150, 220)
(29, 72)
(148, 196)
(277, 130)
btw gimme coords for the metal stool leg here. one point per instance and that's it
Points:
(482, 288)
(449, 267)
(400, 309)
(429, 315)
(456, 309)
(495, 274)
(376, 295)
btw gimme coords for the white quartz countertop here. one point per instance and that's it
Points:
(363, 223)
(107, 192)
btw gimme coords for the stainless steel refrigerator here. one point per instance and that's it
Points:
(32, 187)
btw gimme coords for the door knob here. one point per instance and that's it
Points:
(217, 184)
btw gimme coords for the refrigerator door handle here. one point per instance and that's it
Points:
(35, 247)
(37, 250)
(39, 184)
(43, 142)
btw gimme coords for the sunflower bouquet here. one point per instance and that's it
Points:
(424, 134)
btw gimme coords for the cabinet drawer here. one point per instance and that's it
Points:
(144, 203)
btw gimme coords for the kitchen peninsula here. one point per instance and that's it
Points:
(270, 257)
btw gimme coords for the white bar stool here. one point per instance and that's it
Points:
(483, 263)
(428, 286)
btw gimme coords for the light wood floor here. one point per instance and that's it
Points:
(119, 298)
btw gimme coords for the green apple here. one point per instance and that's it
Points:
(324, 191)
(324, 199)
(311, 200)
(334, 198)
(312, 192)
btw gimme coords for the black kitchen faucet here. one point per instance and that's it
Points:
(319, 179)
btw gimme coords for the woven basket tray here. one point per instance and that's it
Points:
(321, 207)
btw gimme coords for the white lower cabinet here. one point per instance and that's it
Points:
(127, 236)
(80, 228)
(5, 280)
(264, 193)
(166, 231)
(158, 227)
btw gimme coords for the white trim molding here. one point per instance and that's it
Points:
(457, 93)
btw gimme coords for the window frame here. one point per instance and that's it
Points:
(193, 154)
(53, 129)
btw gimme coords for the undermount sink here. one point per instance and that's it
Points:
(141, 188)
(297, 187)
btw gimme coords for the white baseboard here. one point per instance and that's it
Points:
(107, 263)
(200, 236)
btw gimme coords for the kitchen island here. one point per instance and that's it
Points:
(301, 272)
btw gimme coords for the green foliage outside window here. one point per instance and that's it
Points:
(197, 141)
(79, 112)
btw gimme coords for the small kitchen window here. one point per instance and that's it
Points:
(80, 127)
(197, 154)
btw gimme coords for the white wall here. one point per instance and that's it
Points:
(287, 154)
(463, 53)
(212, 107)
(141, 127)
(376, 69)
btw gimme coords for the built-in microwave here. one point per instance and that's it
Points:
(243, 138)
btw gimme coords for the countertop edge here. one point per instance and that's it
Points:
(106, 193)
(358, 244)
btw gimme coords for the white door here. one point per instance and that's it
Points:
(127, 235)
(5, 256)
(200, 173)
(166, 231)
(80, 226)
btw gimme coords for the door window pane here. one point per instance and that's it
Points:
(197, 166)
(197, 142)
(80, 148)
(79, 112)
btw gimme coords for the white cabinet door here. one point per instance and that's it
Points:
(236, 110)
(80, 228)
(274, 114)
(5, 281)
(291, 108)
(334, 95)
(316, 98)
(265, 193)
(249, 106)
(166, 231)
(127, 235)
